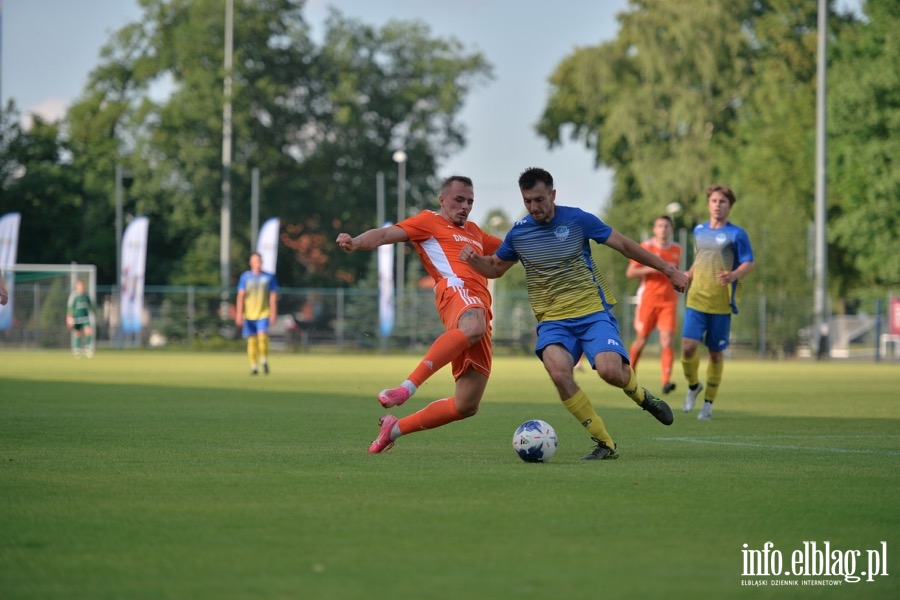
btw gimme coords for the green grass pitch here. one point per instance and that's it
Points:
(162, 475)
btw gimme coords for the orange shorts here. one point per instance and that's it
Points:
(451, 304)
(653, 315)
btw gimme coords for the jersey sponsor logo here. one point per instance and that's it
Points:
(721, 239)
(467, 240)
(561, 233)
(612, 342)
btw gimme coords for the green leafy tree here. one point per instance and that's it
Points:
(385, 89)
(655, 103)
(725, 92)
(770, 161)
(38, 181)
(319, 123)
(864, 144)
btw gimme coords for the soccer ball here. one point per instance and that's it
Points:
(535, 441)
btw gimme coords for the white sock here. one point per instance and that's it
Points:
(410, 386)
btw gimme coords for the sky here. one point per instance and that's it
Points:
(49, 47)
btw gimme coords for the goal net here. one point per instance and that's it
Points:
(35, 315)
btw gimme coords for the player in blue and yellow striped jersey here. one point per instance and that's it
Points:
(257, 308)
(723, 256)
(572, 301)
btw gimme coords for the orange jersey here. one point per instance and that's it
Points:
(458, 286)
(656, 288)
(439, 242)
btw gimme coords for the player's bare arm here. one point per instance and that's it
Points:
(239, 309)
(273, 308)
(489, 266)
(636, 271)
(631, 249)
(372, 238)
(728, 277)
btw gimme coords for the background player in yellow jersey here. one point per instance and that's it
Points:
(257, 308)
(723, 256)
(657, 301)
(572, 300)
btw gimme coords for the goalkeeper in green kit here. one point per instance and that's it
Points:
(78, 319)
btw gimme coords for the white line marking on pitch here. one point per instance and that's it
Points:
(694, 440)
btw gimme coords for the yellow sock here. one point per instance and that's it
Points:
(253, 351)
(691, 368)
(713, 379)
(580, 407)
(633, 390)
(264, 347)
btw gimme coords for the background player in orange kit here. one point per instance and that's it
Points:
(657, 301)
(463, 303)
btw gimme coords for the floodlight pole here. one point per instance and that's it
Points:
(379, 199)
(119, 225)
(821, 248)
(225, 234)
(254, 208)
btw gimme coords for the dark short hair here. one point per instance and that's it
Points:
(531, 176)
(727, 191)
(460, 178)
(667, 218)
(254, 253)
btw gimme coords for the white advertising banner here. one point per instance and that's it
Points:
(386, 288)
(131, 280)
(9, 244)
(267, 244)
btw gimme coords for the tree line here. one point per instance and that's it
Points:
(687, 94)
(691, 93)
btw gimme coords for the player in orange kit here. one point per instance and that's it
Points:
(657, 301)
(463, 303)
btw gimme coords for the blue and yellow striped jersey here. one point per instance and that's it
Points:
(562, 280)
(717, 250)
(256, 294)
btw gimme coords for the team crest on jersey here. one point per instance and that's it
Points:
(721, 239)
(561, 233)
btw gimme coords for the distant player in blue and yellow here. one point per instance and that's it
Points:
(723, 256)
(572, 300)
(257, 308)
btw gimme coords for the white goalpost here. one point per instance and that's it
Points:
(38, 303)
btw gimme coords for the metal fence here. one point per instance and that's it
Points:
(193, 317)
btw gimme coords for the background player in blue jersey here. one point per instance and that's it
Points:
(723, 256)
(257, 308)
(572, 300)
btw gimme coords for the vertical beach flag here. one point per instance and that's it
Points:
(9, 244)
(386, 288)
(134, 261)
(267, 244)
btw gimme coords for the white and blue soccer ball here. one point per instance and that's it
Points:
(535, 441)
